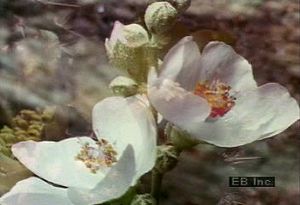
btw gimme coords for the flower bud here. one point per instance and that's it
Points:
(123, 86)
(144, 199)
(160, 17)
(128, 48)
(132, 35)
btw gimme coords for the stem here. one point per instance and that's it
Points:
(156, 185)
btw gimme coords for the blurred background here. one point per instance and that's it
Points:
(52, 54)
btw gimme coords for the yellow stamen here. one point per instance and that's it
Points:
(217, 95)
(95, 158)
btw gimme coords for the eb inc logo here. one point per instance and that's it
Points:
(252, 181)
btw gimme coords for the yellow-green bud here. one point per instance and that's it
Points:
(27, 125)
(160, 17)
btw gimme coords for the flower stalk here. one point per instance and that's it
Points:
(156, 183)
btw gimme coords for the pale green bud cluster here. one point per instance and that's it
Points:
(27, 125)
(144, 199)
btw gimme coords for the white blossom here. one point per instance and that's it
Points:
(89, 171)
(214, 97)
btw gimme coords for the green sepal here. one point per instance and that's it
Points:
(167, 158)
(125, 199)
(179, 138)
(143, 199)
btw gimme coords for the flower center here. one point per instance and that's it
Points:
(97, 157)
(217, 95)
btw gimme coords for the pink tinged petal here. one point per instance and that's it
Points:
(123, 121)
(220, 62)
(181, 64)
(115, 184)
(34, 191)
(117, 34)
(55, 161)
(257, 114)
(177, 105)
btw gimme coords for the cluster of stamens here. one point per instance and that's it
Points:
(217, 95)
(98, 157)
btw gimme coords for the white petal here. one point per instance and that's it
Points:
(283, 109)
(220, 61)
(55, 161)
(114, 185)
(223, 132)
(258, 114)
(177, 105)
(123, 121)
(34, 191)
(181, 64)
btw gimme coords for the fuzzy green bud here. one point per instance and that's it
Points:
(128, 48)
(129, 36)
(123, 86)
(160, 17)
(144, 199)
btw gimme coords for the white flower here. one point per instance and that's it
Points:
(92, 172)
(214, 97)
